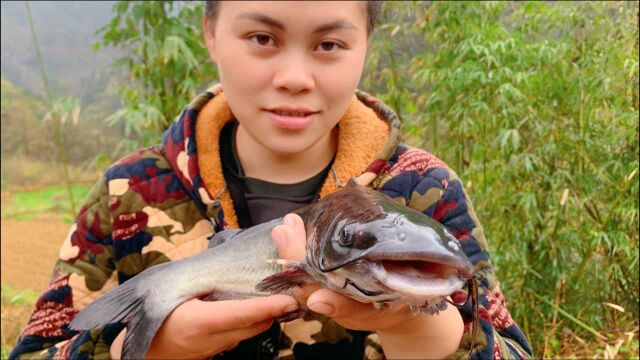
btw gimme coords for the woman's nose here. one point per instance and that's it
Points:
(294, 74)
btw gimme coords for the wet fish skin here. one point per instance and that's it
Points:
(349, 233)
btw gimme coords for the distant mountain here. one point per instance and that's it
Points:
(66, 35)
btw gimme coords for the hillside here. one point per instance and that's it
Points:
(66, 32)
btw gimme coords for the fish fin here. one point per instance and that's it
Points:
(222, 236)
(285, 280)
(129, 303)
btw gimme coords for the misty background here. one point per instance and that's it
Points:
(66, 34)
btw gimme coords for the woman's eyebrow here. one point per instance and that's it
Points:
(334, 25)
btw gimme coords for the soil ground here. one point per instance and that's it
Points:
(29, 250)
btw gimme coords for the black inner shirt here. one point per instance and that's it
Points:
(257, 201)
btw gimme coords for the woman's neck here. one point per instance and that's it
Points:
(261, 163)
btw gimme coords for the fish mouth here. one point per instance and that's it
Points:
(424, 279)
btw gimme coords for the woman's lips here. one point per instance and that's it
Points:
(291, 122)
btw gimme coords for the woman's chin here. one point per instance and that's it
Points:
(288, 148)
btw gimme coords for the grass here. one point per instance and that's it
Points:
(30, 205)
(12, 295)
(535, 106)
(16, 307)
(20, 172)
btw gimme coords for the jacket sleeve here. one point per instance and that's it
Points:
(82, 272)
(439, 193)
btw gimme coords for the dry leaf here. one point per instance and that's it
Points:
(614, 306)
(395, 30)
(565, 195)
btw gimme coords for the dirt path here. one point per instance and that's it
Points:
(29, 250)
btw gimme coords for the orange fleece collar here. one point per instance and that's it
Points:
(363, 138)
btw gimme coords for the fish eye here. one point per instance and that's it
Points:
(345, 238)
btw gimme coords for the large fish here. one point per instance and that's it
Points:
(360, 243)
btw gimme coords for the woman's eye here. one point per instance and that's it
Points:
(262, 40)
(329, 46)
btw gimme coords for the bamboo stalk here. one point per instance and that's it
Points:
(62, 154)
(569, 316)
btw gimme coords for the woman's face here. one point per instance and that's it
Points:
(288, 69)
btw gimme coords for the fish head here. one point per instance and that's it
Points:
(369, 247)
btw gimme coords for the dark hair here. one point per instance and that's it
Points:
(373, 11)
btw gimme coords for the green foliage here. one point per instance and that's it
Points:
(166, 60)
(64, 108)
(535, 105)
(28, 205)
(18, 296)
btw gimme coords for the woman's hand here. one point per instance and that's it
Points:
(199, 329)
(402, 334)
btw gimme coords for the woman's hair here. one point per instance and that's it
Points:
(373, 11)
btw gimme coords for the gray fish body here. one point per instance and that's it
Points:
(230, 270)
(360, 243)
(235, 266)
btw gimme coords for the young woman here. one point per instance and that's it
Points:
(285, 127)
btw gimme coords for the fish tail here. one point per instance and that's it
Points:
(128, 303)
(116, 305)
(140, 332)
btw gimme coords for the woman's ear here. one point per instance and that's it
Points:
(209, 37)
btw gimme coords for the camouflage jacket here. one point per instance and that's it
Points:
(162, 203)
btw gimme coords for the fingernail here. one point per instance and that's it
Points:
(322, 308)
(290, 308)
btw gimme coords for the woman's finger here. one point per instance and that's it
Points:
(332, 304)
(295, 221)
(230, 339)
(219, 316)
(290, 238)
